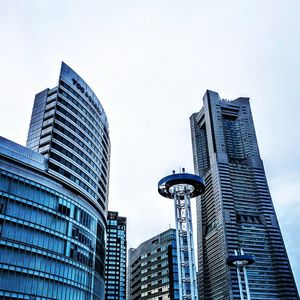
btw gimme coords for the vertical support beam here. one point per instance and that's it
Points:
(176, 200)
(191, 256)
(246, 283)
(240, 283)
(181, 188)
(185, 252)
(239, 278)
(239, 261)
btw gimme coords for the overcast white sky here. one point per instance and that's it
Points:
(150, 63)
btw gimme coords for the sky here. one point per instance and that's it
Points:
(150, 63)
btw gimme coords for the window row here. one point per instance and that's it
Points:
(93, 142)
(75, 159)
(73, 178)
(32, 261)
(83, 118)
(96, 138)
(83, 145)
(91, 113)
(95, 162)
(42, 287)
(41, 199)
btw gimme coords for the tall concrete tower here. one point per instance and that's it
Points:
(236, 210)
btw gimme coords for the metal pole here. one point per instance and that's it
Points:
(246, 283)
(239, 279)
(193, 253)
(189, 230)
(245, 278)
(178, 247)
(180, 188)
(240, 283)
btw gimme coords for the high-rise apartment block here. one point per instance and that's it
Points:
(236, 210)
(53, 198)
(116, 249)
(153, 268)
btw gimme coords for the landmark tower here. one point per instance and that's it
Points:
(236, 210)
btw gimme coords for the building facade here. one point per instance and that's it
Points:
(153, 269)
(236, 210)
(116, 249)
(69, 127)
(54, 198)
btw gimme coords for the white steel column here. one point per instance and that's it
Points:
(176, 204)
(190, 240)
(239, 279)
(245, 277)
(240, 264)
(246, 283)
(185, 243)
(181, 188)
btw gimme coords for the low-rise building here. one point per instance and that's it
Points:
(153, 269)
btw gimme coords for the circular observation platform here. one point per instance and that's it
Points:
(175, 183)
(240, 260)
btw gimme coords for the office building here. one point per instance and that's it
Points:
(54, 198)
(116, 249)
(236, 210)
(69, 127)
(153, 269)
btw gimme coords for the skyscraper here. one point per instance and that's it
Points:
(153, 269)
(116, 249)
(236, 210)
(69, 127)
(54, 203)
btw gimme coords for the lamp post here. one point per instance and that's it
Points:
(181, 187)
(240, 260)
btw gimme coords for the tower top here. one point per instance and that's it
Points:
(190, 182)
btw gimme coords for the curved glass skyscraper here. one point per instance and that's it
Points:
(53, 204)
(69, 127)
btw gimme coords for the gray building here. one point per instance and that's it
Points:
(153, 269)
(54, 203)
(116, 249)
(236, 210)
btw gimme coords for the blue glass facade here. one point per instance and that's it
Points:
(153, 269)
(51, 240)
(53, 198)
